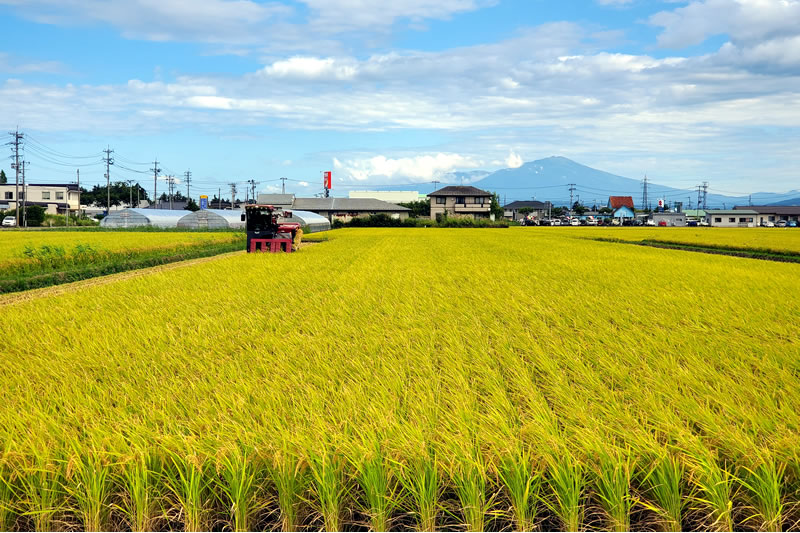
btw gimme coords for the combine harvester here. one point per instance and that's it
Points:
(266, 233)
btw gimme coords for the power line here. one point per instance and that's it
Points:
(18, 137)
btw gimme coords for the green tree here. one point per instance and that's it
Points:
(495, 208)
(3, 178)
(192, 205)
(420, 208)
(525, 210)
(578, 209)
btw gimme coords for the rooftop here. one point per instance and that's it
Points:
(460, 190)
(770, 209)
(533, 204)
(345, 204)
(616, 202)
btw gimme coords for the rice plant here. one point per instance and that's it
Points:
(290, 483)
(715, 486)
(612, 481)
(328, 488)
(420, 480)
(374, 477)
(8, 497)
(469, 480)
(89, 485)
(523, 486)
(187, 479)
(239, 484)
(139, 480)
(42, 493)
(566, 481)
(764, 485)
(664, 484)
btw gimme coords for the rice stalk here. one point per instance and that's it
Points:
(523, 486)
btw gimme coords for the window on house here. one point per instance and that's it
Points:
(45, 195)
(732, 219)
(440, 200)
(461, 200)
(742, 219)
(21, 195)
(9, 195)
(772, 219)
(59, 196)
(479, 200)
(717, 219)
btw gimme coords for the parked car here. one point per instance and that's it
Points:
(692, 223)
(574, 222)
(9, 222)
(767, 224)
(662, 223)
(545, 222)
(792, 224)
(650, 222)
(780, 224)
(555, 222)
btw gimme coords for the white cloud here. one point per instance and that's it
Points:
(514, 160)
(313, 68)
(417, 168)
(745, 21)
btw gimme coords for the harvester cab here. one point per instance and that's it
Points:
(267, 233)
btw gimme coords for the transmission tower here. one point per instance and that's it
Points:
(108, 161)
(283, 185)
(571, 192)
(705, 195)
(644, 192)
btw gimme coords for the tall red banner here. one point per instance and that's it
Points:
(327, 179)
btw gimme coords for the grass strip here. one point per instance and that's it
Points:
(749, 253)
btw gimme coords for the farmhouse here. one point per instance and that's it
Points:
(772, 213)
(731, 218)
(615, 202)
(56, 198)
(460, 200)
(538, 210)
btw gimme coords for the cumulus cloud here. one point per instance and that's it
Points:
(514, 160)
(420, 168)
(312, 68)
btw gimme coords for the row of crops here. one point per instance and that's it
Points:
(38, 259)
(410, 379)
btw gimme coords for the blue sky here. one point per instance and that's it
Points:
(405, 92)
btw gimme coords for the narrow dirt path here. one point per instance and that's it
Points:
(35, 294)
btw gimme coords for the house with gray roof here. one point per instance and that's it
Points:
(460, 200)
(345, 209)
(772, 213)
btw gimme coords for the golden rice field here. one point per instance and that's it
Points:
(774, 239)
(13, 243)
(406, 379)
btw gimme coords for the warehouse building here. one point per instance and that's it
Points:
(772, 213)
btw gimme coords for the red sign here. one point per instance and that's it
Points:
(327, 179)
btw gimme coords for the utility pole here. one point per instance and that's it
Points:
(78, 172)
(253, 184)
(233, 194)
(130, 193)
(699, 196)
(109, 161)
(283, 185)
(435, 185)
(750, 200)
(171, 182)
(24, 196)
(155, 170)
(644, 193)
(15, 144)
(188, 177)
(219, 198)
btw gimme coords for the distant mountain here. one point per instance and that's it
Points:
(550, 179)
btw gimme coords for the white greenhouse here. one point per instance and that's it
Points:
(212, 219)
(131, 218)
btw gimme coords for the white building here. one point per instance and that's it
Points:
(56, 198)
(393, 197)
(731, 218)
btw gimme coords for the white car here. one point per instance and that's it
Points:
(556, 222)
(767, 224)
(9, 222)
(650, 222)
(574, 222)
